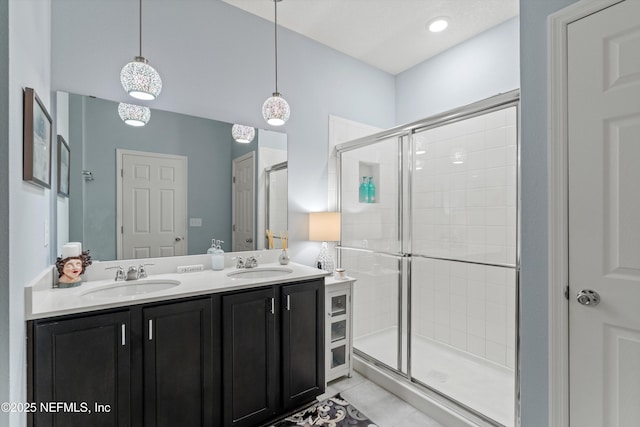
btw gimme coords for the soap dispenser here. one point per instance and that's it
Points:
(217, 257)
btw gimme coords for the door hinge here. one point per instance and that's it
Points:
(122, 229)
(122, 173)
(233, 228)
(233, 180)
(566, 292)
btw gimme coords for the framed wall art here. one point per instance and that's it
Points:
(36, 152)
(64, 157)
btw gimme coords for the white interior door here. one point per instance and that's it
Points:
(244, 202)
(152, 212)
(604, 216)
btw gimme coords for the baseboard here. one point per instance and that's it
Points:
(408, 392)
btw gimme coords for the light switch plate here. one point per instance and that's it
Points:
(195, 222)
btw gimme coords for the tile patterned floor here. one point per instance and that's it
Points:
(382, 407)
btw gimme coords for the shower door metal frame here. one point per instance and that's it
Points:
(267, 184)
(406, 132)
(401, 255)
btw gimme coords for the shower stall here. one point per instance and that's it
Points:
(435, 254)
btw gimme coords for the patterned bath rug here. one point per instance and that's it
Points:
(332, 412)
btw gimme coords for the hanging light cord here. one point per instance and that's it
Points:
(140, 16)
(275, 7)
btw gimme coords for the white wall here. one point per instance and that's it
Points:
(29, 206)
(479, 68)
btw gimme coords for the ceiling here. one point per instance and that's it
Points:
(391, 35)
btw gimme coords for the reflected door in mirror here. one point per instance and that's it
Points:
(153, 203)
(243, 202)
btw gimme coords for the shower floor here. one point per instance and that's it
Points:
(484, 386)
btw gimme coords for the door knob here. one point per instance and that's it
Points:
(249, 240)
(178, 239)
(588, 297)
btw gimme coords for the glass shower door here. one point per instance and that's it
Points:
(463, 262)
(371, 247)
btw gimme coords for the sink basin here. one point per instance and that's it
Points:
(131, 288)
(260, 273)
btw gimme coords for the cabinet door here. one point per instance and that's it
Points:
(83, 361)
(179, 365)
(249, 357)
(302, 342)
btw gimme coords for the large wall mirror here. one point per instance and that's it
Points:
(171, 186)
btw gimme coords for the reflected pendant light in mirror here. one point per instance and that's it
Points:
(275, 110)
(243, 134)
(138, 78)
(134, 115)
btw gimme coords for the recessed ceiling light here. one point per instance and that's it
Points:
(438, 24)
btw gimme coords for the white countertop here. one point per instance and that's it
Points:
(43, 302)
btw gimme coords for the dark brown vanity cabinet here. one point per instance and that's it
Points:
(273, 351)
(229, 359)
(302, 343)
(151, 365)
(83, 362)
(180, 375)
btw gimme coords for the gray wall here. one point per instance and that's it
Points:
(479, 68)
(206, 143)
(5, 299)
(29, 209)
(534, 253)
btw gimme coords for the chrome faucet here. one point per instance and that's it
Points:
(119, 272)
(142, 271)
(239, 262)
(133, 273)
(250, 262)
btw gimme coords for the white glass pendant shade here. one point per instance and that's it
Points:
(140, 79)
(275, 110)
(243, 134)
(134, 115)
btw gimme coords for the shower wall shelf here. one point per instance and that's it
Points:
(338, 327)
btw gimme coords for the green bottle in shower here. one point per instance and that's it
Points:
(371, 191)
(363, 196)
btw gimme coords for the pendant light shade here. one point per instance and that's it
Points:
(275, 109)
(138, 78)
(243, 134)
(134, 115)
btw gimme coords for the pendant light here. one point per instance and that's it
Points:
(134, 115)
(138, 78)
(275, 110)
(243, 134)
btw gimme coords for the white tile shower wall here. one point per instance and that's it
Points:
(371, 225)
(375, 294)
(464, 189)
(468, 306)
(341, 130)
